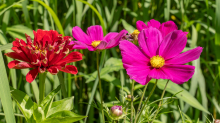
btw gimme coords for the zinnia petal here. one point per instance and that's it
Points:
(173, 44)
(186, 56)
(53, 70)
(72, 57)
(167, 27)
(79, 35)
(31, 75)
(19, 65)
(95, 32)
(149, 41)
(70, 69)
(179, 73)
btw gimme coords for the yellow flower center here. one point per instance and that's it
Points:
(95, 43)
(136, 32)
(157, 61)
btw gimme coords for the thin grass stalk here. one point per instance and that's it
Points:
(161, 102)
(42, 77)
(132, 99)
(139, 114)
(139, 106)
(100, 86)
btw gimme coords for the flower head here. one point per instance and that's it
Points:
(158, 57)
(116, 111)
(94, 39)
(49, 51)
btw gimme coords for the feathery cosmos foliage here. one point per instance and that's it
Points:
(49, 51)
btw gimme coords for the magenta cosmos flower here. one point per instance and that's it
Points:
(94, 38)
(165, 28)
(158, 57)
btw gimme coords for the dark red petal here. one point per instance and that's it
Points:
(53, 70)
(72, 57)
(31, 75)
(19, 65)
(13, 55)
(70, 69)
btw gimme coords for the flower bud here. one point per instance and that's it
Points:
(128, 97)
(116, 111)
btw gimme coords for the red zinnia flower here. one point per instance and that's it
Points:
(48, 52)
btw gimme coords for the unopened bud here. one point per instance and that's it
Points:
(116, 111)
(129, 97)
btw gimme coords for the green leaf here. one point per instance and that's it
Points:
(5, 93)
(184, 95)
(63, 117)
(17, 30)
(24, 103)
(38, 113)
(127, 26)
(47, 102)
(65, 104)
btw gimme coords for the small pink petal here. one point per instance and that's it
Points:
(153, 23)
(79, 35)
(186, 57)
(115, 41)
(173, 44)
(79, 45)
(95, 32)
(140, 25)
(102, 45)
(149, 41)
(179, 73)
(167, 27)
(158, 74)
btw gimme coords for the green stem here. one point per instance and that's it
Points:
(63, 88)
(132, 99)
(139, 114)
(161, 102)
(139, 106)
(42, 77)
(100, 85)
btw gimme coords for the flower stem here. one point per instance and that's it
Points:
(139, 114)
(100, 86)
(42, 77)
(139, 106)
(132, 99)
(161, 102)
(63, 88)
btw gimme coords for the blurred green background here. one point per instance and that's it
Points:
(200, 18)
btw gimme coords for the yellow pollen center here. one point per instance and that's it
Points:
(136, 32)
(157, 61)
(95, 43)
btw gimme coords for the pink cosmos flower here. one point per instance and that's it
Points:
(94, 38)
(158, 57)
(165, 28)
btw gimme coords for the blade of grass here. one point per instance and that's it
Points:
(5, 93)
(26, 13)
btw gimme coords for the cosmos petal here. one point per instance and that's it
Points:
(153, 23)
(115, 41)
(173, 44)
(79, 35)
(158, 74)
(186, 57)
(140, 25)
(149, 40)
(102, 45)
(179, 73)
(95, 33)
(167, 27)
(79, 45)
